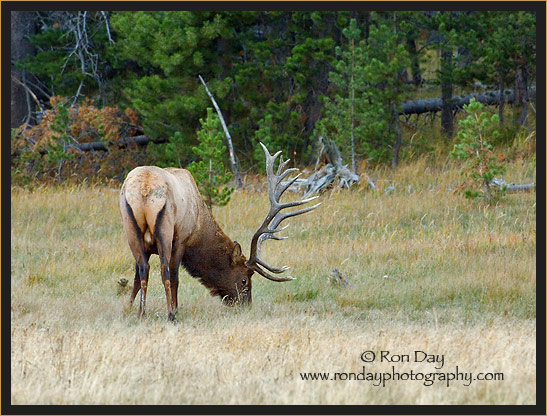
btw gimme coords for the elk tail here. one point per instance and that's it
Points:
(157, 225)
(138, 232)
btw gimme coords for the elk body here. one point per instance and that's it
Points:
(163, 213)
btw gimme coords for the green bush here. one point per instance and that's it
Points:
(474, 147)
(209, 171)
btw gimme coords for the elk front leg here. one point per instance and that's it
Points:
(174, 265)
(166, 278)
(174, 289)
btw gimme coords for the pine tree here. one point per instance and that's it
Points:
(165, 55)
(209, 171)
(362, 114)
(502, 44)
(340, 121)
(384, 63)
(285, 73)
(474, 147)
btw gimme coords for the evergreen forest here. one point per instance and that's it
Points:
(96, 93)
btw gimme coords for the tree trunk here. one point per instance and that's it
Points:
(398, 140)
(414, 62)
(521, 95)
(332, 171)
(511, 187)
(352, 87)
(447, 122)
(501, 101)
(366, 25)
(22, 26)
(209, 197)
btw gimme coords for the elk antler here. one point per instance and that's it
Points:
(275, 216)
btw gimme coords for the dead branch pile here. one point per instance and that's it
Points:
(332, 172)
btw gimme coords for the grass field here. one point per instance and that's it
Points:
(429, 271)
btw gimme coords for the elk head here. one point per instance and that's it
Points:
(236, 284)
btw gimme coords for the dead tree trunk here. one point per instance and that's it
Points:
(512, 187)
(235, 170)
(102, 146)
(333, 170)
(433, 105)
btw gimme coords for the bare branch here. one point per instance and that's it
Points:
(237, 177)
(107, 24)
(78, 92)
(29, 91)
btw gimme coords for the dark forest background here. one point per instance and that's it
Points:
(96, 93)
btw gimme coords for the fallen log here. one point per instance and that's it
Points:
(433, 105)
(103, 146)
(512, 187)
(120, 144)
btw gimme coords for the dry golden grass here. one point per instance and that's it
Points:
(428, 270)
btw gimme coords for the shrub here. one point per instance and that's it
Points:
(209, 171)
(474, 147)
(50, 149)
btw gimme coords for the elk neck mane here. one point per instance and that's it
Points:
(209, 257)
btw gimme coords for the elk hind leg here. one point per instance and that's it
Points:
(167, 284)
(137, 280)
(143, 270)
(164, 239)
(135, 239)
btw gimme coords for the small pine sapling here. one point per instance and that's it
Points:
(481, 164)
(209, 171)
(60, 139)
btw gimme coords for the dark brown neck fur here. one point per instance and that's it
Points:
(210, 257)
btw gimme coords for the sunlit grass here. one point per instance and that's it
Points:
(427, 270)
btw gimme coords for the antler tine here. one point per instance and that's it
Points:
(269, 159)
(267, 275)
(271, 268)
(282, 165)
(283, 188)
(297, 203)
(271, 236)
(286, 215)
(274, 216)
(285, 173)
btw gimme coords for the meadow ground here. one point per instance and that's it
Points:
(429, 271)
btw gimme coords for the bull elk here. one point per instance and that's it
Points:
(163, 213)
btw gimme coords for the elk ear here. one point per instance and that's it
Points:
(236, 254)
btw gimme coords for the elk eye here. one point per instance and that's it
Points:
(243, 281)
